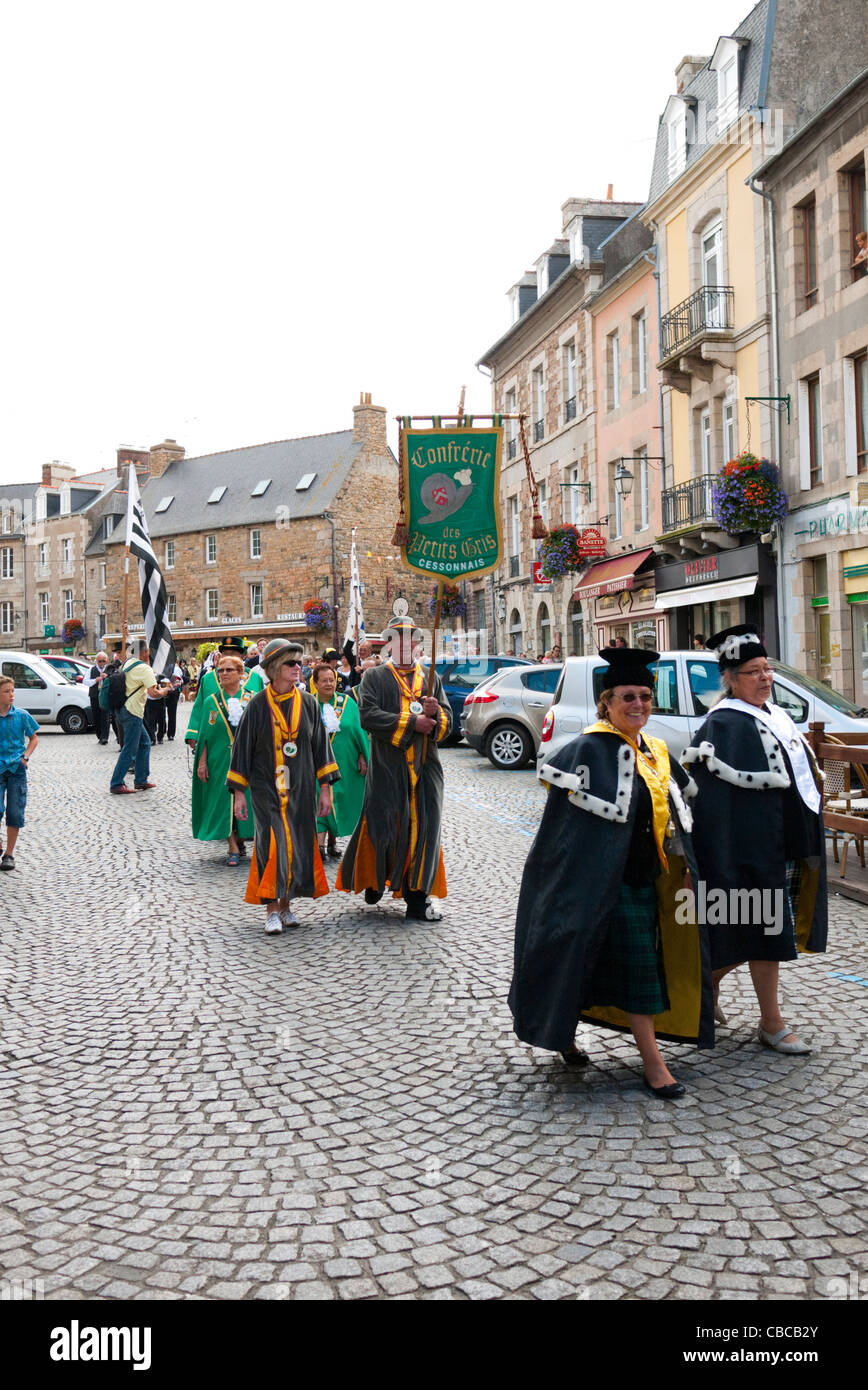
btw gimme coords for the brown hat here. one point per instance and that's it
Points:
(276, 651)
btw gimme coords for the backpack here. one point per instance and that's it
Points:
(113, 691)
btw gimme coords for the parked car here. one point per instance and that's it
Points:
(70, 666)
(46, 693)
(688, 684)
(503, 717)
(459, 677)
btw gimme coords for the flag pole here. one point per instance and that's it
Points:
(437, 607)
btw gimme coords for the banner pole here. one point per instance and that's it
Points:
(438, 605)
(124, 627)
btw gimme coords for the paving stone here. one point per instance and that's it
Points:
(207, 1151)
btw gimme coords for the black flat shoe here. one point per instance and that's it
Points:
(372, 896)
(576, 1058)
(671, 1092)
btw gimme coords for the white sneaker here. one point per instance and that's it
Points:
(288, 917)
(273, 924)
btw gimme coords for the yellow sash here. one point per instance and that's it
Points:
(654, 771)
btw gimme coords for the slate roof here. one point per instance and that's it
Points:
(703, 87)
(190, 482)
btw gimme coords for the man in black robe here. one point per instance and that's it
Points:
(397, 840)
(282, 754)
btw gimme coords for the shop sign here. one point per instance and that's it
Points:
(836, 518)
(702, 570)
(288, 618)
(541, 584)
(591, 543)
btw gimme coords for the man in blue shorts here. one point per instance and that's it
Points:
(17, 742)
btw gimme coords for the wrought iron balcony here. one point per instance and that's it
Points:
(570, 409)
(511, 447)
(708, 311)
(539, 429)
(688, 504)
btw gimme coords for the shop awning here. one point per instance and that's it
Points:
(707, 593)
(611, 576)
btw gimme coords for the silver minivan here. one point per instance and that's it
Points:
(46, 693)
(688, 685)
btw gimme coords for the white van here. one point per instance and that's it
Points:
(45, 693)
(688, 685)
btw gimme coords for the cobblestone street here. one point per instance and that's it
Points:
(192, 1109)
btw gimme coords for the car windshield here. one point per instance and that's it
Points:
(818, 689)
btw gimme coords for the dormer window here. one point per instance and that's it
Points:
(675, 120)
(109, 525)
(542, 276)
(41, 505)
(574, 232)
(65, 500)
(725, 62)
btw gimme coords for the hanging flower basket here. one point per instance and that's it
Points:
(452, 604)
(561, 552)
(317, 614)
(72, 632)
(748, 495)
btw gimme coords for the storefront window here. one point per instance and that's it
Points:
(544, 630)
(515, 637)
(577, 630)
(860, 652)
(645, 635)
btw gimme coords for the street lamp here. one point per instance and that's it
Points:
(623, 480)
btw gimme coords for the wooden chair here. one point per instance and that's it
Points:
(839, 795)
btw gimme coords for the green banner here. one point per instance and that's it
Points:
(451, 492)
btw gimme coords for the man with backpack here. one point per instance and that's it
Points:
(128, 690)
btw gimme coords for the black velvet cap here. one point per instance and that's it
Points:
(736, 645)
(628, 666)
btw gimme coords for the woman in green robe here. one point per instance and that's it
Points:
(350, 748)
(213, 721)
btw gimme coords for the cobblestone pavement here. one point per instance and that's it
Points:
(193, 1110)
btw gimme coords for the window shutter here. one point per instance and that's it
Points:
(850, 458)
(804, 438)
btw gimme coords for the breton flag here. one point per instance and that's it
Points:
(151, 583)
(354, 614)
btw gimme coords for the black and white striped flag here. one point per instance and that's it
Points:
(151, 583)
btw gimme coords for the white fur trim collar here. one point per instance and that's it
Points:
(576, 782)
(774, 775)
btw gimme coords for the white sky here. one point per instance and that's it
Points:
(222, 222)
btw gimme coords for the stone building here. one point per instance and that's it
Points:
(67, 506)
(729, 112)
(619, 592)
(543, 367)
(245, 537)
(16, 516)
(817, 186)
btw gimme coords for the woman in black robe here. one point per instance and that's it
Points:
(602, 933)
(758, 835)
(283, 755)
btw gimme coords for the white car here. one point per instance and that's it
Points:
(688, 685)
(46, 693)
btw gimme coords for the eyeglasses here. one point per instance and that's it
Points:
(294, 662)
(632, 696)
(761, 671)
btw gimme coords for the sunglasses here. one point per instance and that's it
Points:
(632, 696)
(293, 662)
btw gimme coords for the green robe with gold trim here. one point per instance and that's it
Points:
(210, 729)
(348, 743)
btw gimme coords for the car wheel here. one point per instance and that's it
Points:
(72, 721)
(508, 747)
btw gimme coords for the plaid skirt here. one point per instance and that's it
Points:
(629, 972)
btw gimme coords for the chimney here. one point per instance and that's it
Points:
(609, 193)
(369, 425)
(161, 455)
(687, 70)
(55, 473)
(137, 457)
